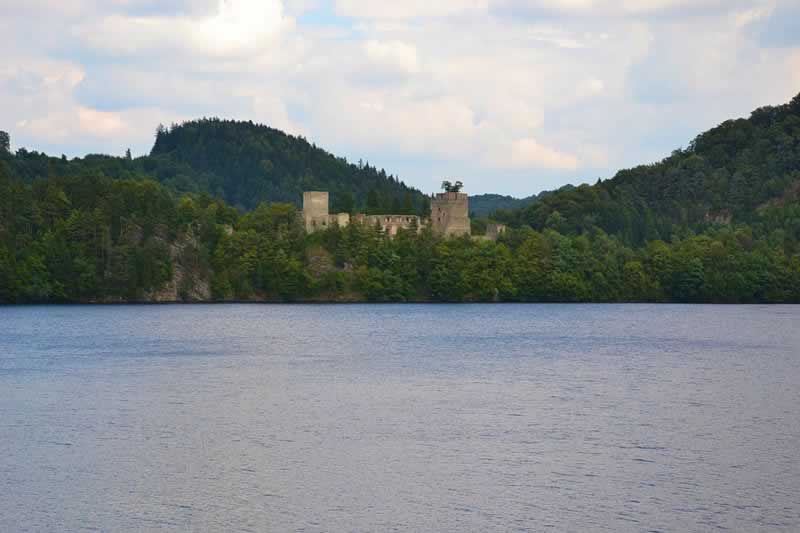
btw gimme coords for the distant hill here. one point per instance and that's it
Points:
(483, 205)
(728, 175)
(244, 164)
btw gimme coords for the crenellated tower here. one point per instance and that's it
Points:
(450, 214)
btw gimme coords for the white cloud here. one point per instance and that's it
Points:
(378, 119)
(529, 153)
(793, 66)
(591, 87)
(100, 123)
(77, 120)
(511, 89)
(394, 54)
(557, 37)
(236, 27)
(616, 7)
(407, 9)
(47, 112)
(594, 156)
(270, 108)
(743, 17)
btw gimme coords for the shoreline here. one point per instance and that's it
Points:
(365, 302)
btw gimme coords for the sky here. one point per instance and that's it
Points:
(509, 96)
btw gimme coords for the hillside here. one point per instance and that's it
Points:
(483, 205)
(718, 222)
(727, 175)
(244, 164)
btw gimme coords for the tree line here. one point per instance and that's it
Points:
(96, 239)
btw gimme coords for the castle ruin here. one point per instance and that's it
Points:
(315, 212)
(316, 217)
(449, 216)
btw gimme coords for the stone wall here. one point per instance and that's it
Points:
(450, 214)
(493, 231)
(315, 210)
(316, 217)
(341, 219)
(391, 224)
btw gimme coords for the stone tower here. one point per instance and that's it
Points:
(315, 210)
(450, 214)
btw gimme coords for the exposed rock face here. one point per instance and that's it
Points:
(723, 217)
(791, 194)
(132, 234)
(190, 282)
(320, 262)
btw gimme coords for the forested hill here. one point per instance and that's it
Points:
(484, 205)
(241, 162)
(246, 163)
(717, 222)
(728, 175)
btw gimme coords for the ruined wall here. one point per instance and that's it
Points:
(450, 214)
(493, 231)
(341, 219)
(316, 217)
(391, 224)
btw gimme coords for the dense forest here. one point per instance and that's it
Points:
(717, 222)
(483, 205)
(244, 164)
(486, 205)
(736, 173)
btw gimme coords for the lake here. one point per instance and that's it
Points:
(400, 418)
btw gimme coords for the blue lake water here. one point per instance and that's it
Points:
(400, 418)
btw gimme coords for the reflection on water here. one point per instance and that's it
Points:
(376, 418)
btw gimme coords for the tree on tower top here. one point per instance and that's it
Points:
(448, 186)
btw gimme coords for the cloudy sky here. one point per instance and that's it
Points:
(511, 96)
